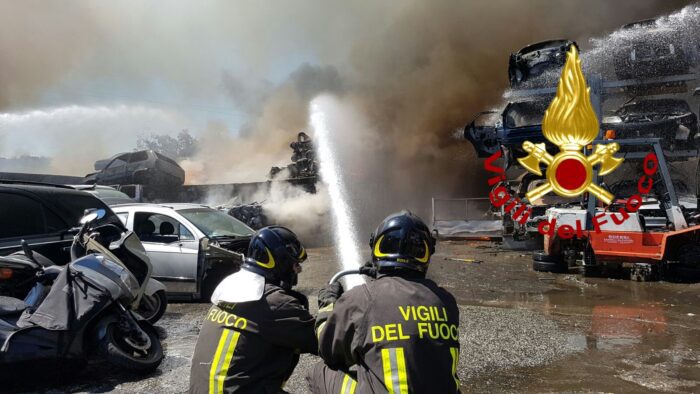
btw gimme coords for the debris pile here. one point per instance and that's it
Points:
(303, 164)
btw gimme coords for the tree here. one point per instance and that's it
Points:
(180, 147)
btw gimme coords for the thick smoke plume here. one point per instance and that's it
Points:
(240, 76)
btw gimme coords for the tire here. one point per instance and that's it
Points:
(540, 255)
(547, 266)
(153, 307)
(119, 353)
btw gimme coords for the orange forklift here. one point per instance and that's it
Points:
(642, 247)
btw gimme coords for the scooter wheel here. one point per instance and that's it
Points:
(152, 307)
(117, 350)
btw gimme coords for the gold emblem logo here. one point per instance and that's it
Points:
(570, 123)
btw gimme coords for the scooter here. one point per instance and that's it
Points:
(89, 305)
(21, 271)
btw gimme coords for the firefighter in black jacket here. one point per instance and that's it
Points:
(396, 334)
(252, 336)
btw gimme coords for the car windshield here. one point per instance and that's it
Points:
(529, 113)
(215, 223)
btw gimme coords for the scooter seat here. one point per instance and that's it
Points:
(10, 306)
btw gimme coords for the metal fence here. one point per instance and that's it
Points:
(464, 218)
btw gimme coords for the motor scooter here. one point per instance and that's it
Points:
(88, 311)
(21, 271)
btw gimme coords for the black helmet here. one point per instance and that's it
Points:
(272, 253)
(402, 240)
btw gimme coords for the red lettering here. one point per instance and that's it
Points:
(597, 224)
(520, 217)
(647, 189)
(499, 196)
(650, 158)
(488, 163)
(617, 220)
(515, 201)
(565, 231)
(550, 229)
(633, 207)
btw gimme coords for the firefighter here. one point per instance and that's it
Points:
(396, 334)
(252, 336)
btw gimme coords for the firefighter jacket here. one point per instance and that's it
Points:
(252, 347)
(401, 333)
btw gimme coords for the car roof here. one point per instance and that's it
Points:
(92, 187)
(173, 206)
(545, 44)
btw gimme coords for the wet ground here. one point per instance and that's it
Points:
(520, 330)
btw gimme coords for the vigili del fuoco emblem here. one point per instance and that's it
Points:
(570, 123)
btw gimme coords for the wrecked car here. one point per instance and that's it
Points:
(668, 119)
(536, 60)
(648, 49)
(517, 123)
(192, 247)
(144, 167)
(251, 214)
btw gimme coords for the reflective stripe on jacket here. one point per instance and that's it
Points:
(252, 347)
(401, 333)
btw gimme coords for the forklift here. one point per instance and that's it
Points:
(646, 252)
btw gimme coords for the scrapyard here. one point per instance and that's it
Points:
(191, 213)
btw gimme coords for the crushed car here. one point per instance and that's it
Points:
(542, 59)
(649, 49)
(251, 214)
(145, 167)
(192, 247)
(669, 119)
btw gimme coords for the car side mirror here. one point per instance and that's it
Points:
(204, 243)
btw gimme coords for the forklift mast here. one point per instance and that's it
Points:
(669, 202)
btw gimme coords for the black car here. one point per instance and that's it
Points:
(668, 119)
(45, 216)
(109, 195)
(650, 49)
(144, 167)
(538, 60)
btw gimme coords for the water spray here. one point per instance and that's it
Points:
(344, 227)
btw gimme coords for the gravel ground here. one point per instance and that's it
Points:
(519, 331)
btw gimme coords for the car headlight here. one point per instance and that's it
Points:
(612, 119)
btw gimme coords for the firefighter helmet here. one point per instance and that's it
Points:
(272, 253)
(402, 240)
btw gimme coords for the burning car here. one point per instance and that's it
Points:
(648, 49)
(536, 60)
(144, 167)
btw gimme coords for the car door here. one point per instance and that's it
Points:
(115, 170)
(167, 242)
